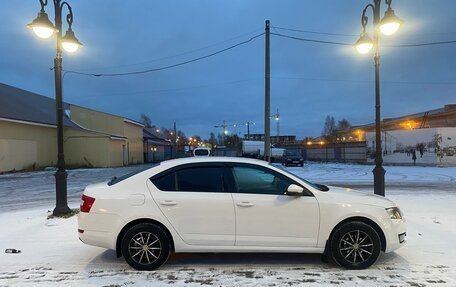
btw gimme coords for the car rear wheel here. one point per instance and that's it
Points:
(145, 246)
(355, 245)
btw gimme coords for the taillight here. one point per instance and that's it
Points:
(86, 203)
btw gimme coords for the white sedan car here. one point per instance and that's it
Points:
(210, 204)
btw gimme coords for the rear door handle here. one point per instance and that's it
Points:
(244, 204)
(168, 202)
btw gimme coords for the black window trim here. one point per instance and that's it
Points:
(229, 182)
(306, 192)
(226, 185)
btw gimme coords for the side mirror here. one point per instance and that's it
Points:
(294, 190)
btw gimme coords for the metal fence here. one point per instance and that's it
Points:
(354, 152)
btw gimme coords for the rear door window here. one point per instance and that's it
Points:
(200, 179)
(192, 179)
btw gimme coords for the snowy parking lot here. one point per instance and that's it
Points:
(52, 255)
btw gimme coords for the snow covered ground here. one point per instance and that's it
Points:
(52, 255)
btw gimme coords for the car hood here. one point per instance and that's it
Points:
(349, 195)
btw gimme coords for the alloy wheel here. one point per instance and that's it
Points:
(144, 248)
(356, 246)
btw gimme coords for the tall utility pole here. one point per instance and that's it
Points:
(225, 131)
(248, 129)
(277, 118)
(267, 96)
(175, 139)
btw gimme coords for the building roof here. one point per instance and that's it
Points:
(151, 136)
(442, 117)
(22, 105)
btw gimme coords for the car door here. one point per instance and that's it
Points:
(197, 203)
(265, 216)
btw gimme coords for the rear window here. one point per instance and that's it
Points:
(292, 152)
(196, 179)
(166, 182)
(201, 152)
(116, 179)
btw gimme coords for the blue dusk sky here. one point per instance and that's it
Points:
(308, 80)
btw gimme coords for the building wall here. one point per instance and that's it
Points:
(446, 146)
(86, 149)
(134, 133)
(113, 125)
(97, 121)
(22, 146)
(116, 154)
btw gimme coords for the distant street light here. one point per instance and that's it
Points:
(387, 26)
(44, 28)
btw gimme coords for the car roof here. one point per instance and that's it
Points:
(179, 161)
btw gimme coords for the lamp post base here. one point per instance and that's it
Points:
(379, 180)
(61, 206)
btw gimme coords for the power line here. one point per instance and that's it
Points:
(364, 82)
(242, 43)
(179, 54)
(420, 44)
(351, 35)
(350, 44)
(311, 40)
(174, 89)
(165, 67)
(314, 32)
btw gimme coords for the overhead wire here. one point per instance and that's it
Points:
(164, 67)
(314, 32)
(350, 44)
(179, 54)
(247, 41)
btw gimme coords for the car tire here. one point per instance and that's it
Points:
(145, 246)
(355, 245)
(301, 164)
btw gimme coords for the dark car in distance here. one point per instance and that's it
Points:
(292, 157)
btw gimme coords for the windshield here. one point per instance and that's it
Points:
(292, 152)
(320, 187)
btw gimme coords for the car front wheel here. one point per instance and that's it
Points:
(355, 245)
(145, 246)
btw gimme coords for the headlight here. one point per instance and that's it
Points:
(394, 213)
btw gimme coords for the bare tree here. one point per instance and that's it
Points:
(329, 127)
(343, 125)
(145, 120)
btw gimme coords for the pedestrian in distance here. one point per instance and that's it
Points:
(414, 156)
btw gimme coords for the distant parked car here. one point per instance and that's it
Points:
(449, 151)
(223, 204)
(292, 157)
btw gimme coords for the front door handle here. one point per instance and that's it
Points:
(168, 202)
(244, 204)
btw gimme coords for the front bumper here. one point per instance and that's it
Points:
(395, 234)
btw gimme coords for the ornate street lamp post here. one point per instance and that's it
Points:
(387, 26)
(44, 28)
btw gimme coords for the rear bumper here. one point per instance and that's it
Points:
(99, 229)
(98, 238)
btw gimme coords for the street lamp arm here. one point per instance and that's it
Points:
(43, 3)
(364, 18)
(69, 16)
(388, 2)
